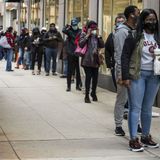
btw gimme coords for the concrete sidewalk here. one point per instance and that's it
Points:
(39, 120)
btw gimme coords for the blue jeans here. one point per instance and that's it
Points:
(141, 94)
(65, 66)
(20, 56)
(9, 57)
(51, 54)
(27, 58)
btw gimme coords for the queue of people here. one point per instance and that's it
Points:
(129, 54)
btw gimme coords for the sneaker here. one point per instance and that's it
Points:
(78, 89)
(68, 89)
(119, 131)
(54, 73)
(148, 142)
(47, 74)
(139, 130)
(135, 146)
(38, 72)
(155, 114)
(33, 73)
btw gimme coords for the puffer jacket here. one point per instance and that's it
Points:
(91, 58)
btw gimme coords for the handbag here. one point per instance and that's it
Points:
(4, 43)
(80, 51)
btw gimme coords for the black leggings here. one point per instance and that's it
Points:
(91, 75)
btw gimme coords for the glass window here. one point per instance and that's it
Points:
(137, 3)
(51, 12)
(78, 8)
(107, 10)
(23, 17)
(35, 13)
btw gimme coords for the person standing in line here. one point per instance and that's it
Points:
(72, 31)
(20, 44)
(90, 61)
(109, 48)
(138, 76)
(52, 40)
(131, 13)
(35, 48)
(9, 51)
(42, 50)
(27, 50)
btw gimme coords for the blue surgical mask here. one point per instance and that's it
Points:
(118, 24)
(75, 27)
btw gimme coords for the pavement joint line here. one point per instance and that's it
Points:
(10, 144)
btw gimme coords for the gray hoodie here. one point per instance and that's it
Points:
(119, 38)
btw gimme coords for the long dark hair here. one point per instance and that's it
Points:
(140, 26)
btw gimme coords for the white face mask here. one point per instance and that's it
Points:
(75, 27)
(94, 32)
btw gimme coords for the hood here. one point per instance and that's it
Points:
(123, 26)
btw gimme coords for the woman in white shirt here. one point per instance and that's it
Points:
(138, 76)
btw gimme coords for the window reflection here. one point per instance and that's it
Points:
(78, 8)
(51, 12)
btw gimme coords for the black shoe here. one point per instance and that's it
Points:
(78, 88)
(94, 97)
(135, 146)
(148, 142)
(139, 130)
(87, 100)
(68, 89)
(72, 80)
(119, 131)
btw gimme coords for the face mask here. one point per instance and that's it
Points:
(150, 26)
(75, 27)
(94, 32)
(52, 29)
(118, 24)
(135, 18)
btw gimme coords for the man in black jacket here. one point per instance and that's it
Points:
(72, 31)
(51, 40)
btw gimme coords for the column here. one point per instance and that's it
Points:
(93, 10)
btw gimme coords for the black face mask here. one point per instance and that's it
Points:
(150, 26)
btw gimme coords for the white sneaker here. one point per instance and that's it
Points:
(155, 114)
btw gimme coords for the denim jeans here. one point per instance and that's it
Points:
(9, 57)
(27, 58)
(20, 56)
(51, 54)
(65, 66)
(141, 94)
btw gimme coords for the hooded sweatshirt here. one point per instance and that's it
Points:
(119, 38)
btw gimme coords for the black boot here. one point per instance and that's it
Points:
(87, 99)
(94, 96)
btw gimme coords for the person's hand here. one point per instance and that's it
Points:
(50, 38)
(25, 48)
(127, 83)
(120, 82)
(89, 32)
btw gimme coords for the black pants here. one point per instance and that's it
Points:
(36, 56)
(73, 66)
(91, 77)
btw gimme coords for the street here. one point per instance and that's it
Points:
(39, 120)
